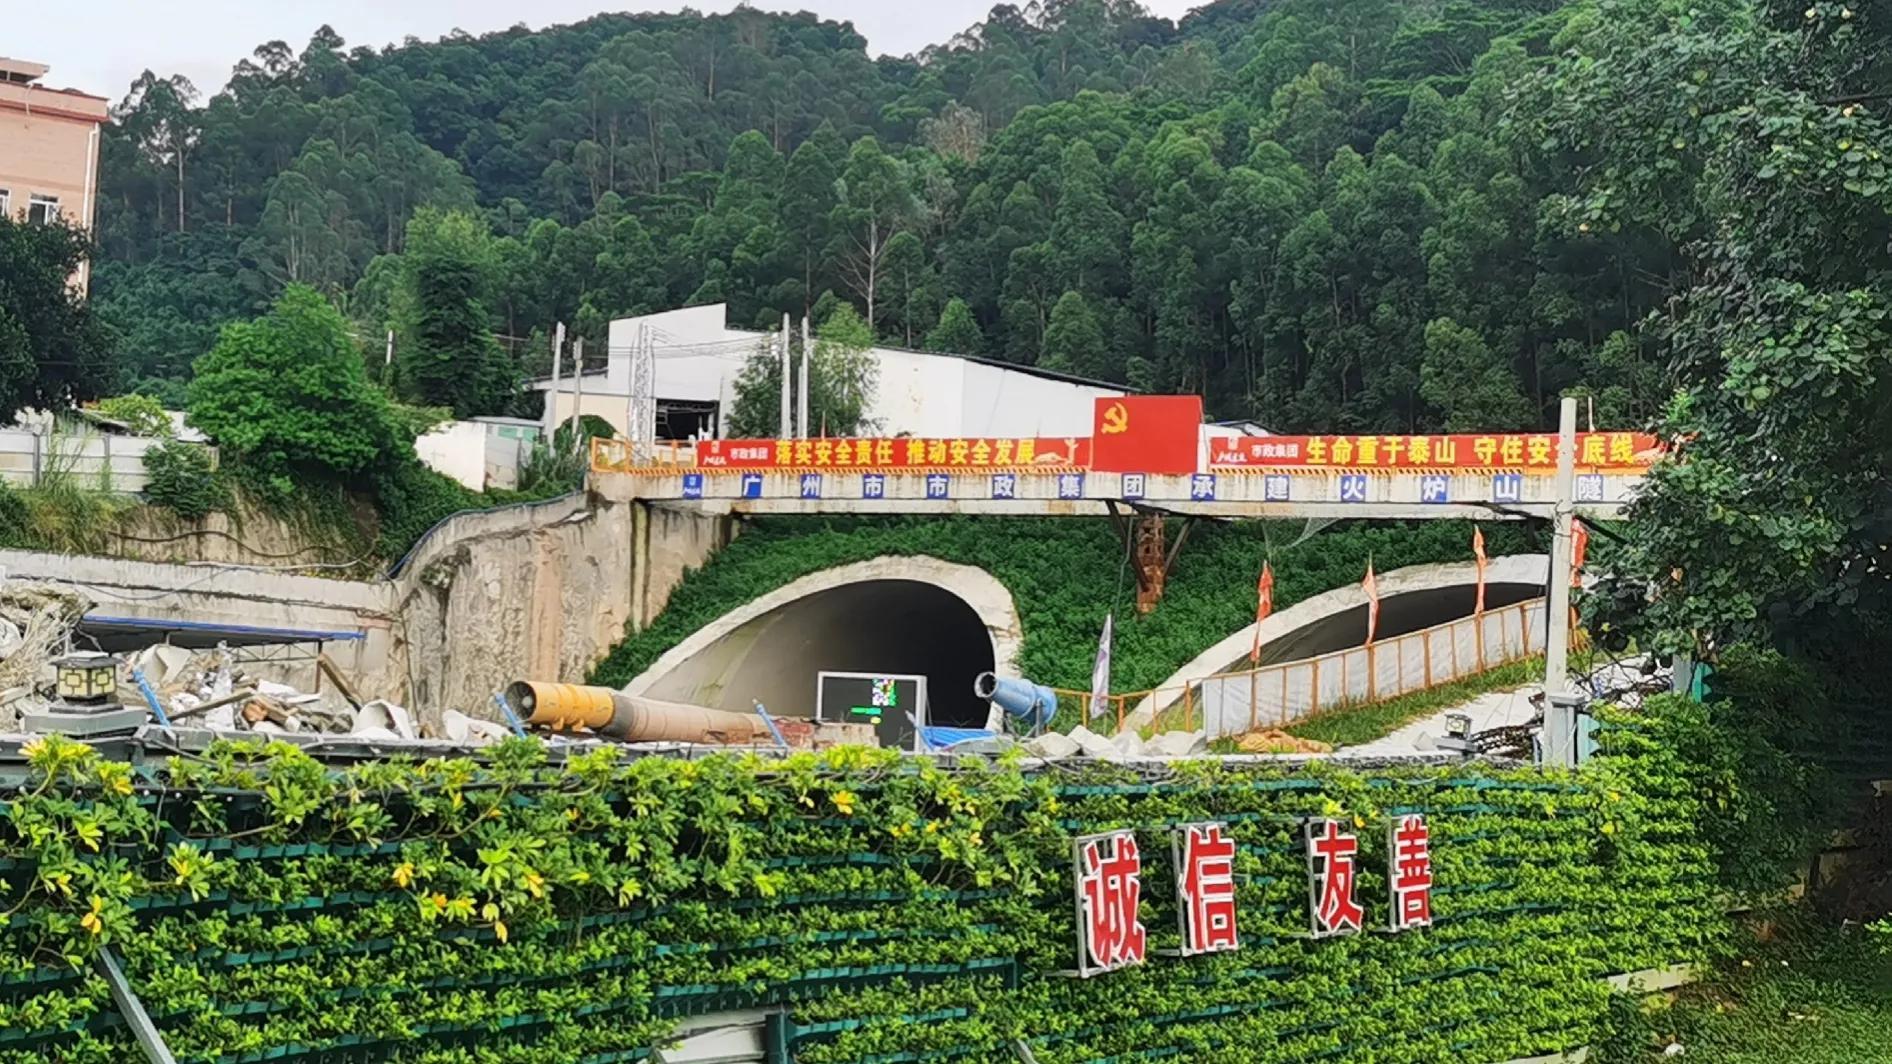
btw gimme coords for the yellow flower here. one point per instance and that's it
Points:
(499, 928)
(571, 813)
(843, 801)
(536, 884)
(90, 921)
(404, 875)
(121, 784)
(1609, 828)
(440, 902)
(33, 747)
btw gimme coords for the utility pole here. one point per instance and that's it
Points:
(643, 427)
(807, 356)
(1560, 711)
(784, 427)
(578, 392)
(630, 384)
(551, 395)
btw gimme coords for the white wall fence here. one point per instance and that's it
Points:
(1238, 702)
(91, 462)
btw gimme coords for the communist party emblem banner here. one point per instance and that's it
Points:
(1157, 434)
(1529, 452)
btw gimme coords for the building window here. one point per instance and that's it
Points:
(6, 204)
(41, 210)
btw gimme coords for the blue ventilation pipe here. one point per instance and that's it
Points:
(1033, 704)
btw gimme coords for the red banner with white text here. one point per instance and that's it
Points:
(1533, 452)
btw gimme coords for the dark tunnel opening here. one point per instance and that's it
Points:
(877, 626)
(1399, 614)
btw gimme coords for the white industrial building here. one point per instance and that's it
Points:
(698, 359)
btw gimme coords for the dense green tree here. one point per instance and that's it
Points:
(1741, 134)
(54, 351)
(445, 354)
(875, 205)
(1074, 342)
(1472, 388)
(957, 332)
(1264, 203)
(286, 395)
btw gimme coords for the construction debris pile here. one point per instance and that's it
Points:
(212, 689)
(35, 625)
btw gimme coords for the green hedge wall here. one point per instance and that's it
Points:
(269, 908)
(1062, 574)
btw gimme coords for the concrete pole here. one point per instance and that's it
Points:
(578, 390)
(1559, 720)
(630, 385)
(807, 356)
(551, 394)
(784, 426)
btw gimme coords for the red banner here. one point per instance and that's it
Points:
(1147, 434)
(1537, 451)
(895, 454)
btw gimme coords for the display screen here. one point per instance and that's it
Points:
(889, 703)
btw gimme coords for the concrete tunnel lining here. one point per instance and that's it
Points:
(897, 615)
(1411, 599)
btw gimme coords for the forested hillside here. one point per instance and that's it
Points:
(1318, 214)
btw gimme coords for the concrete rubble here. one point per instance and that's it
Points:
(1125, 746)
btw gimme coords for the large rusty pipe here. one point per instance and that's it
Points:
(568, 707)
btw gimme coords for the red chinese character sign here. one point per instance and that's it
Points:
(1409, 871)
(1333, 909)
(1109, 887)
(1204, 857)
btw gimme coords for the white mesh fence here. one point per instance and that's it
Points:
(1237, 702)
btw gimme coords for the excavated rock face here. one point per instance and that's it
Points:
(540, 593)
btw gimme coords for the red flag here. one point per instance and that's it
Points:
(1372, 588)
(1264, 605)
(1579, 546)
(1478, 552)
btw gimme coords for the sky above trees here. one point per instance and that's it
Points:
(203, 39)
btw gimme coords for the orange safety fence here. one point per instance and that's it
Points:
(614, 455)
(1240, 701)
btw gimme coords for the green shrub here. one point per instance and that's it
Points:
(507, 911)
(1769, 754)
(142, 414)
(16, 521)
(185, 480)
(410, 499)
(286, 394)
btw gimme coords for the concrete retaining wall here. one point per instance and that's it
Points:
(541, 591)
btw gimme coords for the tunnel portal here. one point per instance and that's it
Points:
(876, 626)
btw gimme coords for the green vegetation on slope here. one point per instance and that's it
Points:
(1363, 724)
(1062, 575)
(1815, 995)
